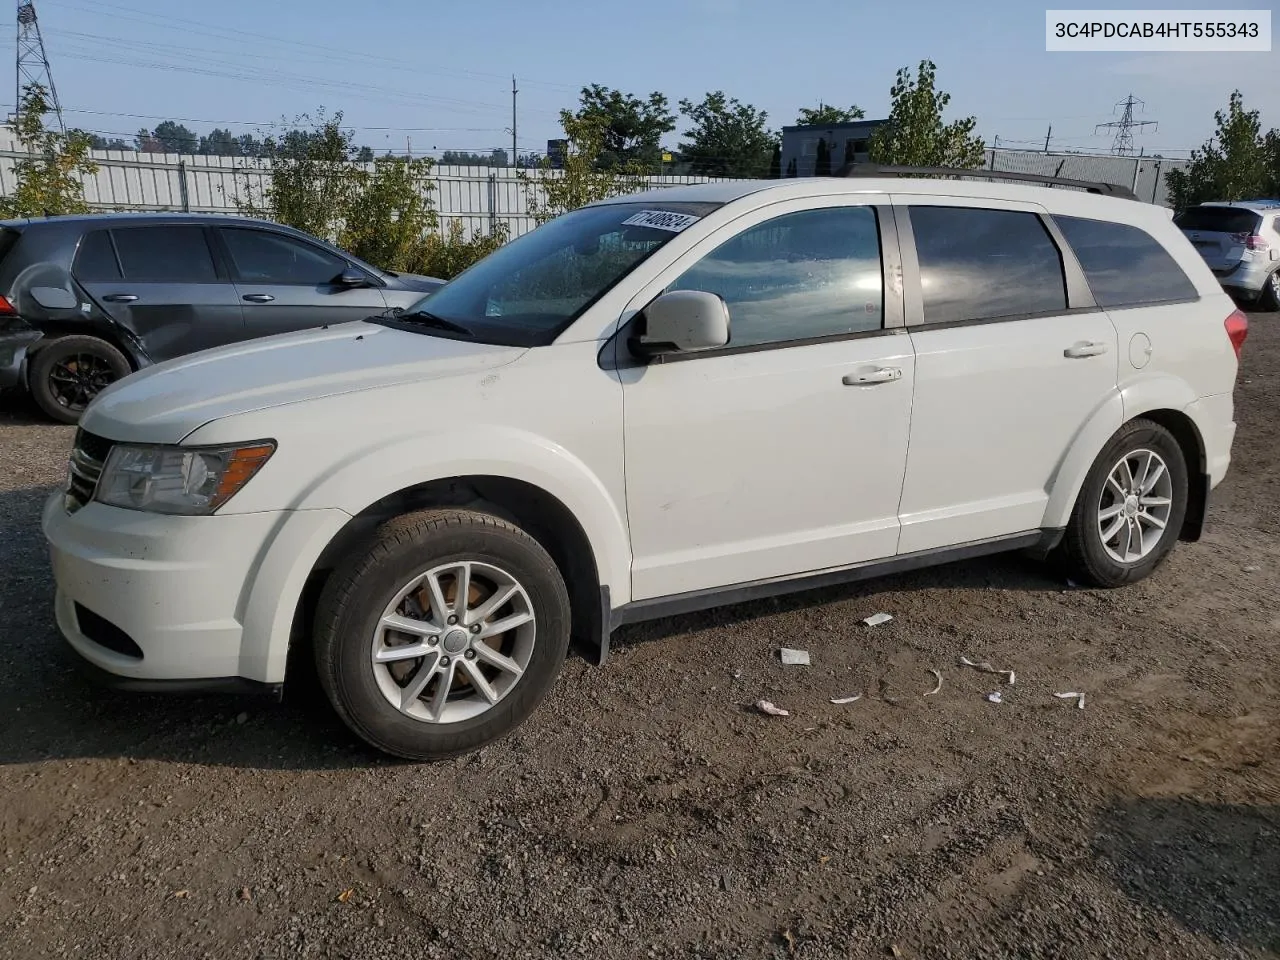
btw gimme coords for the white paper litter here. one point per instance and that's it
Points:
(846, 699)
(988, 668)
(937, 686)
(1078, 697)
(772, 709)
(995, 697)
(795, 657)
(876, 619)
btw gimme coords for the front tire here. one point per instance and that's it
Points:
(68, 373)
(443, 633)
(1131, 508)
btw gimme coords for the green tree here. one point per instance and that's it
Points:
(727, 138)
(1271, 148)
(98, 142)
(364, 155)
(915, 134)
(631, 128)
(170, 136)
(826, 115)
(389, 211)
(580, 180)
(822, 165)
(1236, 164)
(49, 179)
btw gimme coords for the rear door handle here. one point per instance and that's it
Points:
(120, 297)
(258, 297)
(1085, 348)
(870, 377)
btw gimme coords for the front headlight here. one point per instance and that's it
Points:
(194, 481)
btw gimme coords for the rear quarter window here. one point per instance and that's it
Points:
(96, 258)
(1125, 265)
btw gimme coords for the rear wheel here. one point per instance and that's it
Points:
(442, 634)
(1130, 509)
(68, 373)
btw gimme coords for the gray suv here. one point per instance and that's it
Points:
(1240, 241)
(86, 300)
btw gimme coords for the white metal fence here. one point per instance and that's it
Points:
(478, 197)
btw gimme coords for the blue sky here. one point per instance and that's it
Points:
(438, 73)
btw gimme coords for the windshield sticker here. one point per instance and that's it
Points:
(661, 220)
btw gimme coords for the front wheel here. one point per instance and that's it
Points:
(442, 634)
(1130, 509)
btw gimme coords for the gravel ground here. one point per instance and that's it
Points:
(646, 811)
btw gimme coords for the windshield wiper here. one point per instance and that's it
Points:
(425, 319)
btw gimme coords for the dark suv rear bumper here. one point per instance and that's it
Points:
(13, 356)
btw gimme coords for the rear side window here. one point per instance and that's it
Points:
(96, 259)
(1218, 220)
(980, 264)
(1125, 266)
(167, 254)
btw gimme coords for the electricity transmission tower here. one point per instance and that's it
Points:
(32, 61)
(1124, 127)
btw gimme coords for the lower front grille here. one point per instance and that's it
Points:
(104, 633)
(88, 456)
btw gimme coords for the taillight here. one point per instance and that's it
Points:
(7, 309)
(1237, 329)
(1252, 241)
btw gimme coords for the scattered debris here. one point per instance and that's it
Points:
(876, 619)
(1078, 697)
(245, 894)
(790, 938)
(824, 859)
(1251, 569)
(181, 894)
(346, 894)
(995, 697)
(938, 685)
(795, 658)
(895, 950)
(985, 667)
(846, 699)
(772, 709)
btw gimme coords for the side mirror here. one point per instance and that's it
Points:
(683, 321)
(352, 278)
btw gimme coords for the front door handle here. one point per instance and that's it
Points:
(258, 297)
(120, 297)
(1085, 348)
(869, 377)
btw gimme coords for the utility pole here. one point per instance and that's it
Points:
(1124, 127)
(33, 62)
(514, 91)
(1047, 137)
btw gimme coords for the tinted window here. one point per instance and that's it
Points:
(984, 264)
(96, 260)
(1124, 265)
(176, 254)
(1218, 220)
(803, 275)
(262, 257)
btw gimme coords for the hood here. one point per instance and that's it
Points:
(415, 281)
(164, 403)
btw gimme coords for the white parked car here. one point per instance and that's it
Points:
(654, 404)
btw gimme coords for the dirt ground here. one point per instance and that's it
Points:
(646, 811)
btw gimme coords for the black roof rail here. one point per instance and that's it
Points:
(1090, 186)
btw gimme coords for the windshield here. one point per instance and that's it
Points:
(528, 291)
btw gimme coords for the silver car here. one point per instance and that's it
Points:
(1240, 241)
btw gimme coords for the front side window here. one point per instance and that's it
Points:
(528, 291)
(799, 276)
(260, 256)
(168, 254)
(978, 264)
(1125, 266)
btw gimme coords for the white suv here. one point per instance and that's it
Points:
(655, 404)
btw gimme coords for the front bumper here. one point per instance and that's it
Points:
(13, 356)
(147, 597)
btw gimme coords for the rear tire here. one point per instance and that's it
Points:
(68, 373)
(1130, 510)
(412, 572)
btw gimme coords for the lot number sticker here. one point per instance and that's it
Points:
(661, 220)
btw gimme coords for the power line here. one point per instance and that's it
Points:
(1124, 127)
(32, 61)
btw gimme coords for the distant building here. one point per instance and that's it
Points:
(845, 142)
(555, 152)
